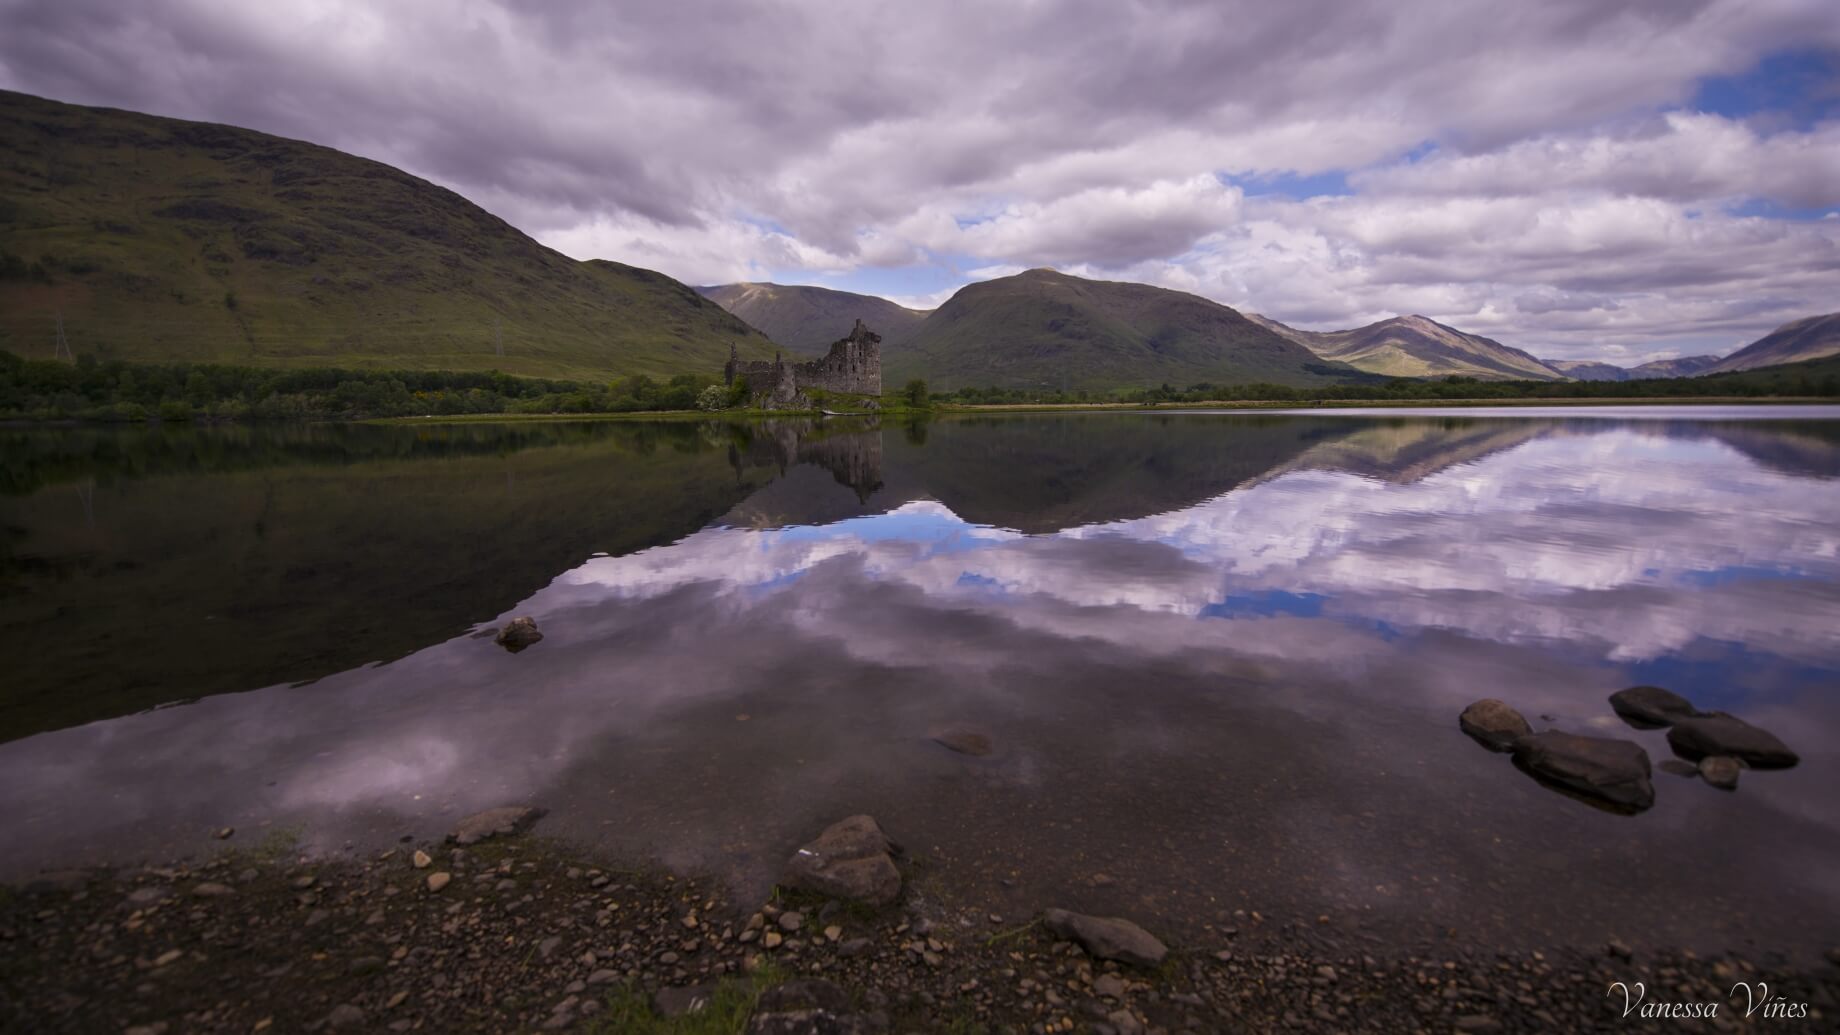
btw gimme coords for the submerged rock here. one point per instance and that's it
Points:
(1720, 771)
(851, 859)
(1652, 707)
(964, 741)
(499, 822)
(1613, 773)
(1677, 767)
(1493, 724)
(1722, 734)
(1107, 937)
(518, 634)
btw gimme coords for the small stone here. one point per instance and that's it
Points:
(439, 880)
(396, 1000)
(1110, 985)
(518, 634)
(1493, 724)
(148, 895)
(791, 921)
(1478, 1022)
(548, 946)
(772, 939)
(167, 958)
(212, 889)
(1652, 707)
(223, 833)
(1617, 948)
(421, 860)
(304, 881)
(1720, 771)
(603, 977)
(345, 1015)
(1125, 1022)
(1326, 972)
(833, 932)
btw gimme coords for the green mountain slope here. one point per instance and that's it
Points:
(808, 319)
(159, 239)
(1685, 366)
(1043, 329)
(1416, 346)
(1813, 338)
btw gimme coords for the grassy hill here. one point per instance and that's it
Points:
(159, 240)
(1416, 346)
(1047, 329)
(1815, 337)
(807, 320)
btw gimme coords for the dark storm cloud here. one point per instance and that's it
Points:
(723, 140)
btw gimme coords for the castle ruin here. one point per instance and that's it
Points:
(853, 365)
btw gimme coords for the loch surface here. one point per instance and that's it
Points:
(1217, 658)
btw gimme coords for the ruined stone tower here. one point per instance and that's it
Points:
(853, 365)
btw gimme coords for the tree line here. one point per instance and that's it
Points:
(119, 391)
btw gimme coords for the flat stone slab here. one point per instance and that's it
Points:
(1722, 734)
(499, 822)
(852, 859)
(1652, 707)
(1493, 724)
(1603, 771)
(1107, 937)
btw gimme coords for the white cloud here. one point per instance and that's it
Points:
(717, 142)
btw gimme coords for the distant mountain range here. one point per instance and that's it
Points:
(156, 239)
(807, 319)
(1588, 370)
(1417, 346)
(1813, 338)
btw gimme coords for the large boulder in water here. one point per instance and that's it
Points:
(1611, 773)
(1652, 707)
(1107, 937)
(1722, 734)
(852, 859)
(1493, 724)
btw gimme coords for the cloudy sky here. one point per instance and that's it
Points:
(1615, 179)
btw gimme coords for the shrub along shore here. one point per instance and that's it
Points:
(177, 392)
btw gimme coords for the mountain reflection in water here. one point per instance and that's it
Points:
(1218, 658)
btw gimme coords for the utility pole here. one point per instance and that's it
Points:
(63, 345)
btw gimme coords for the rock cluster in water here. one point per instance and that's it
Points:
(1613, 773)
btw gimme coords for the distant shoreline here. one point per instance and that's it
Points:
(1221, 404)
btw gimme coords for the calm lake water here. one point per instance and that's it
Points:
(1219, 657)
